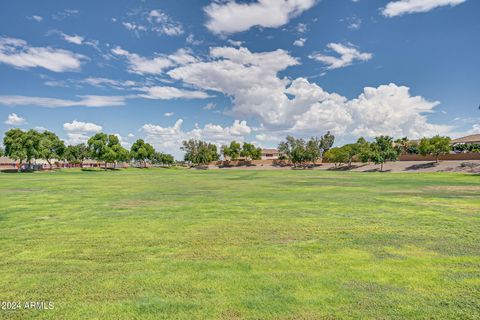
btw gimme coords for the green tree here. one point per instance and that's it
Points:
(293, 149)
(2, 152)
(14, 145)
(326, 142)
(50, 147)
(312, 150)
(163, 159)
(337, 156)
(435, 146)
(299, 151)
(141, 151)
(382, 150)
(76, 154)
(107, 148)
(31, 144)
(199, 152)
(232, 151)
(250, 152)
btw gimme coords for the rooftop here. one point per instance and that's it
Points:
(474, 138)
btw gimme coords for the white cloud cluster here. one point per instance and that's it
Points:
(157, 65)
(79, 126)
(18, 53)
(75, 39)
(79, 132)
(298, 106)
(231, 16)
(14, 120)
(401, 7)
(85, 101)
(169, 139)
(300, 42)
(348, 55)
(164, 24)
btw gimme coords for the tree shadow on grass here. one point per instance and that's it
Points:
(421, 166)
(378, 170)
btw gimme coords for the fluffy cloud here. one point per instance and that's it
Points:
(300, 42)
(169, 139)
(249, 78)
(79, 126)
(14, 120)
(401, 7)
(74, 138)
(79, 132)
(301, 107)
(230, 17)
(87, 101)
(156, 65)
(18, 53)
(75, 39)
(142, 65)
(348, 54)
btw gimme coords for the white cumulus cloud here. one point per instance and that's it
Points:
(232, 16)
(18, 53)
(14, 120)
(401, 7)
(79, 126)
(348, 54)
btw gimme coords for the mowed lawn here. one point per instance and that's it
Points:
(240, 244)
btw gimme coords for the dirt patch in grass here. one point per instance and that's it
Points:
(453, 188)
(135, 203)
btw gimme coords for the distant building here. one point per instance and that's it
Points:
(270, 154)
(471, 139)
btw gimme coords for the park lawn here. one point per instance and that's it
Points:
(240, 244)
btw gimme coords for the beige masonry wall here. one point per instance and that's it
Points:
(456, 156)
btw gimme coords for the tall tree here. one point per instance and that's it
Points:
(326, 142)
(231, 151)
(163, 159)
(76, 154)
(250, 152)
(299, 151)
(141, 151)
(382, 150)
(14, 145)
(435, 146)
(31, 144)
(199, 152)
(107, 148)
(50, 147)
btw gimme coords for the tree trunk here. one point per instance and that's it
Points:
(50, 164)
(105, 166)
(381, 167)
(436, 158)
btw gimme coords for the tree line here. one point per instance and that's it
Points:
(26, 146)
(384, 149)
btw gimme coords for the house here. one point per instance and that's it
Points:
(471, 139)
(8, 163)
(270, 154)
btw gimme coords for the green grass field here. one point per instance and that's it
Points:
(184, 244)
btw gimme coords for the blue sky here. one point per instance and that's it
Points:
(240, 70)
